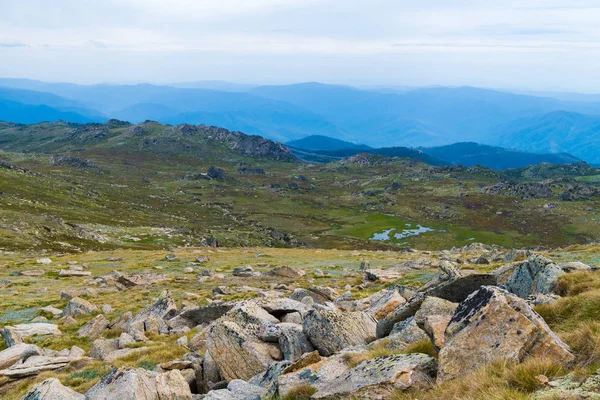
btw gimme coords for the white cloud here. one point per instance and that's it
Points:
(434, 41)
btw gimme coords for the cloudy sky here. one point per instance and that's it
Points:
(526, 44)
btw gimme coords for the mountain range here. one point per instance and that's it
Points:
(426, 117)
(324, 149)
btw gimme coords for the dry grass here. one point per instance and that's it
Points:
(577, 282)
(498, 381)
(301, 392)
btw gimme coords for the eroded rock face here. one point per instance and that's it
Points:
(139, 384)
(379, 377)
(493, 324)
(332, 331)
(52, 389)
(537, 275)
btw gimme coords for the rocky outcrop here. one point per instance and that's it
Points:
(380, 377)
(494, 324)
(52, 389)
(332, 331)
(141, 279)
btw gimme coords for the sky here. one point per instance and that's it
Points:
(518, 44)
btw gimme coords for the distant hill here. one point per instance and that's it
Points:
(470, 154)
(555, 132)
(319, 142)
(324, 156)
(28, 114)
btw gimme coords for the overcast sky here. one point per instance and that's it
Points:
(527, 44)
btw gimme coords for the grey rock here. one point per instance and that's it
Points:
(94, 327)
(78, 306)
(538, 275)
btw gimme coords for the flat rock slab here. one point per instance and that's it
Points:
(12, 355)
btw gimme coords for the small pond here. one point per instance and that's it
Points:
(408, 231)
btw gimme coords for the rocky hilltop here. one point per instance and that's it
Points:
(408, 325)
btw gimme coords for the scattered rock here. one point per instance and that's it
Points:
(78, 306)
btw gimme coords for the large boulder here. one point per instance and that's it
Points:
(459, 288)
(293, 342)
(494, 324)
(331, 331)
(234, 345)
(52, 389)
(378, 378)
(537, 275)
(139, 384)
(21, 351)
